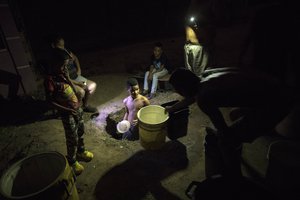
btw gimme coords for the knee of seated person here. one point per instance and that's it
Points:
(81, 92)
(155, 76)
(92, 86)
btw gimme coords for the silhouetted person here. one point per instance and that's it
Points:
(267, 98)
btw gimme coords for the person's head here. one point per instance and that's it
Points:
(199, 23)
(133, 87)
(157, 50)
(58, 42)
(58, 64)
(200, 33)
(184, 82)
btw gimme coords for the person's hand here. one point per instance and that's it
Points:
(134, 122)
(168, 109)
(150, 77)
(74, 112)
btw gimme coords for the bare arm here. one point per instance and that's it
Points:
(77, 63)
(80, 84)
(126, 112)
(126, 109)
(63, 108)
(73, 83)
(161, 68)
(146, 101)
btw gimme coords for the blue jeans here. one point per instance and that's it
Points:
(132, 134)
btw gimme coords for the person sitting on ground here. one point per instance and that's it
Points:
(83, 85)
(268, 101)
(133, 103)
(60, 93)
(158, 68)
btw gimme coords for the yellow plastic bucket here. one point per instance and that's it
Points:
(152, 121)
(42, 176)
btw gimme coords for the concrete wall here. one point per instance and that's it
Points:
(14, 56)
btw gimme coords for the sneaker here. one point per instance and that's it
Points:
(85, 156)
(77, 168)
(90, 109)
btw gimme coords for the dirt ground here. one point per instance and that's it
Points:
(120, 169)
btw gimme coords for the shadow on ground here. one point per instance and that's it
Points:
(24, 111)
(142, 173)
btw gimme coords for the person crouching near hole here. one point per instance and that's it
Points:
(133, 103)
(62, 95)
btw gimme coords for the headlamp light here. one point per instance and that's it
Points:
(192, 22)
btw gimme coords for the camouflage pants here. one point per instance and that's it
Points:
(74, 130)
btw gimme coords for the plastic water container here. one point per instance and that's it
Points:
(152, 122)
(43, 176)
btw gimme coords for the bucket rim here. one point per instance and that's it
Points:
(16, 164)
(145, 107)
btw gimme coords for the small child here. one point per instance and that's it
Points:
(61, 93)
(133, 103)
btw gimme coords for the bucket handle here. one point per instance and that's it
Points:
(65, 184)
(189, 192)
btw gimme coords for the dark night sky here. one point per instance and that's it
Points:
(114, 22)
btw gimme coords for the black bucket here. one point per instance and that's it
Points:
(178, 122)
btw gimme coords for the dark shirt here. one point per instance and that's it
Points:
(157, 63)
(66, 54)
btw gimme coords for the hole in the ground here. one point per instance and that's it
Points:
(111, 123)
